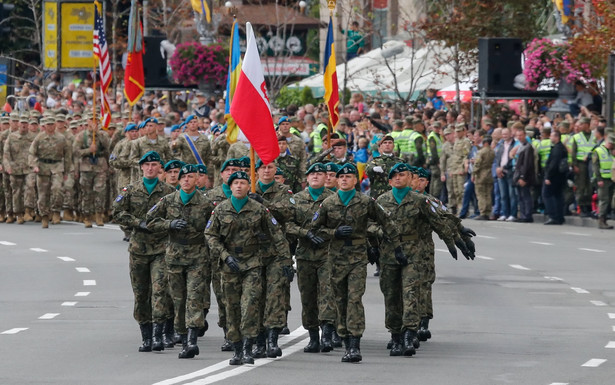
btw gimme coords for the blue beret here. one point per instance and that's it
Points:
(230, 162)
(332, 167)
(130, 127)
(316, 167)
(174, 127)
(172, 164)
(283, 119)
(188, 119)
(238, 175)
(150, 156)
(348, 168)
(215, 128)
(399, 167)
(187, 169)
(141, 125)
(150, 120)
(201, 169)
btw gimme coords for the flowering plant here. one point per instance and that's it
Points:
(194, 63)
(546, 59)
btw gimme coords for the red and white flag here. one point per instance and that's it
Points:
(250, 106)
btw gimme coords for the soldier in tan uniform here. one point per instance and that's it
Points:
(30, 187)
(459, 163)
(483, 179)
(446, 166)
(4, 128)
(15, 161)
(68, 187)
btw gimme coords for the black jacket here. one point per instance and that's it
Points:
(524, 169)
(552, 168)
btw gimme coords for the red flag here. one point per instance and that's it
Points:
(332, 98)
(250, 106)
(134, 77)
(7, 108)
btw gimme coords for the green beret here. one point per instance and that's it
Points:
(348, 168)
(244, 162)
(423, 173)
(187, 169)
(201, 169)
(150, 156)
(173, 164)
(413, 169)
(278, 171)
(259, 163)
(238, 175)
(230, 162)
(332, 167)
(316, 167)
(399, 167)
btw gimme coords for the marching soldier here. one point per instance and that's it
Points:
(150, 141)
(192, 146)
(290, 165)
(4, 130)
(6, 177)
(219, 148)
(459, 163)
(378, 169)
(120, 157)
(15, 161)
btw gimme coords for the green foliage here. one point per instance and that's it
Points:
(295, 96)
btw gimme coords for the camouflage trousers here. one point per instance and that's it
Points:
(450, 188)
(92, 185)
(427, 276)
(2, 202)
(30, 193)
(68, 192)
(605, 194)
(314, 281)
(584, 187)
(435, 184)
(399, 285)
(49, 193)
(215, 281)
(273, 304)
(149, 285)
(18, 184)
(8, 193)
(242, 296)
(483, 194)
(458, 181)
(348, 288)
(187, 287)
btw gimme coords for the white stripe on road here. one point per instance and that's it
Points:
(14, 331)
(36, 249)
(7, 243)
(594, 363)
(614, 328)
(69, 303)
(592, 250)
(82, 269)
(519, 267)
(553, 278)
(610, 345)
(611, 315)
(485, 236)
(483, 257)
(598, 303)
(49, 316)
(82, 294)
(579, 234)
(442, 250)
(542, 243)
(66, 259)
(89, 282)
(579, 290)
(558, 383)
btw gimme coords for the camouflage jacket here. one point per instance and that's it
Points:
(50, 153)
(461, 150)
(291, 167)
(83, 158)
(445, 157)
(201, 144)
(482, 165)
(379, 181)
(15, 155)
(140, 146)
(278, 199)
(216, 195)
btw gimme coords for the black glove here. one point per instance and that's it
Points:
(178, 224)
(400, 256)
(288, 272)
(468, 232)
(452, 250)
(464, 249)
(373, 254)
(470, 245)
(256, 197)
(343, 232)
(315, 239)
(143, 227)
(232, 263)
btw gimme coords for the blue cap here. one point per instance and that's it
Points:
(174, 127)
(188, 119)
(283, 119)
(130, 127)
(150, 120)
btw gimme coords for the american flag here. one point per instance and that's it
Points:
(100, 51)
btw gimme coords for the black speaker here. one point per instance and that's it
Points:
(154, 64)
(499, 61)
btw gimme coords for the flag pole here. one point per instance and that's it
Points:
(252, 170)
(94, 108)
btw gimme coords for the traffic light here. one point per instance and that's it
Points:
(5, 24)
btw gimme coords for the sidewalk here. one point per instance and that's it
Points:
(571, 220)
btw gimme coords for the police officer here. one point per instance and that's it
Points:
(602, 162)
(582, 144)
(434, 151)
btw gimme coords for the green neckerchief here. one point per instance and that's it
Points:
(226, 189)
(150, 184)
(316, 192)
(346, 196)
(238, 203)
(265, 187)
(185, 197)
(400, 193)
(202, 188)
(334, 189)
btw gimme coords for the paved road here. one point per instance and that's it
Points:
(534, 308)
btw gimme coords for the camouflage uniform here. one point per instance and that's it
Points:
(445, 168)
(15, 159)
(69, 188)
(7, 191)
(92, 169)
(291, 167)
(30, 193)
(201, 144)
(297, 149)
(457, 170)
(187, 256)
(379, 181)
(230, 233)
(120, 160)
(148, 274)
(237, 150)
(219, 148)
(140, 146)
(483, 179)
(53, 156)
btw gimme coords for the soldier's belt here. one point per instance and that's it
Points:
(243, 249)
(406, 238)
(354, 242)
(185, 241)
(48, 161)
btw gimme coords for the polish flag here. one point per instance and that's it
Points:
(250, 106)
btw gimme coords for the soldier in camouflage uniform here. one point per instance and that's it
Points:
(233, 233)
(290, 165)
(120, 156)
(4, 128)
(68, 186)
(459, 163)
(296, 147)
(219, 148)
(90, 154)
(434, 151)
(149, 141)
(51, 160)
(148, 274)
(483, 179)
(15, 161)
(29, 199)
(184, 214)
(343, 219)
(446, 167)
(192, 146)
(6, 178)
(331, 178)
(378, 169)
(171, 172)
(313, 266)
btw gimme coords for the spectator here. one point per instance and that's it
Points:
(555, 172)
(524, 176)
(504, 171)
(354, 41)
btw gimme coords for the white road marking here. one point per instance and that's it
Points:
(542, 243)
(82, 294)
(483, 257)
(594, 363)
(553, 278)
(598, 303)
(7, 243)
(519, 267)
(559, 383)
(592, 250)
(611, 315)
(66, 259)
(579, 234)
(69, 303)
(14, 331)
(82, 269)
(579, 290)
(89, 282)
(442, 250)
(36, 249)
(49, 316)
(485, 236)
(610, 345)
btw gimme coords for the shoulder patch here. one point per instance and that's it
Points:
(434, 204)
(125, 189)
(292, 200)
(290, 191)
(433, 209)
(315, 217)
(274, 221)
(119, 197)
(208, 224)
(153, 207)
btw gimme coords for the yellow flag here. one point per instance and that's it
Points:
(201, 6)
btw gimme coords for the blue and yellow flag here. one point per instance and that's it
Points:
(565, 9)
(234, 69)
(332, 98)
(201, 6)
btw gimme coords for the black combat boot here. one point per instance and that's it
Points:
(167, 334)
(424, 333)
(238, 355)
(191, 348)
(346, 356)
(157, 345)
(247, 351)
(326, 345)
(273, 350)
(177, 337)
(285, 329)
(260, 348)
(335, 339)
(408, 348)
(355, 349)
(183, 338)
(313, 346)
(146, 336)
(206, 326)
(227, 346)
(396, 346)
(390, 343)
